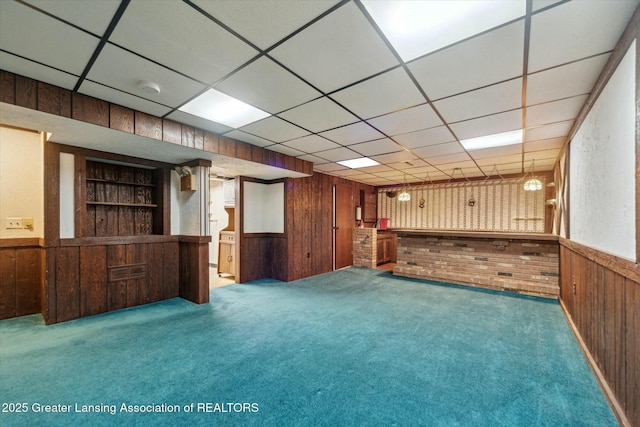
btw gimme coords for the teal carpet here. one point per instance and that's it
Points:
(352, 347)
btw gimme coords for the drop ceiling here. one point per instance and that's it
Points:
(332, 76)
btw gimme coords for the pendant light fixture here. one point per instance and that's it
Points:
(404, 196)
(532, 183)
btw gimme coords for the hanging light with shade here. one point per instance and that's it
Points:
(404, 196)
(533, 183)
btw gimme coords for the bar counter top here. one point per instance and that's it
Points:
(474, 234)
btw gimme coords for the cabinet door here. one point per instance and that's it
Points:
(223, 258)
(232, 259)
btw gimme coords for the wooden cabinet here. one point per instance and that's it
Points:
(120, 200)
(227, 253)
(229, 192)
(386, 249)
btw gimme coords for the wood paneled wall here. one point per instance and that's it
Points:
(29, 93)
(601, 296)
(21, 276)
(306, 247)
(86, 278)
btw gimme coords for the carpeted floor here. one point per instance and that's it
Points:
(352, 347)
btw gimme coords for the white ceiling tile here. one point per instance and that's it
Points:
(313, 159)
(33, 70)
(280, 148)
(499, 160)
(482, 102)
(489, 125)
(560, 129)
(373, 169)
(351, 172)
(338, 154)
(108, 94)
(449, 158)
(541, 157)
(390, 174)
(44, 40)
(372, 148)
(564, 109)
(352, 134)
(246, 137)
(438, 150)
(311, 144)
(274, 129)
(120, 69)
(408, 120)
(265, 22)
(343, 39)
(541, 4)
(176, 35)
(565, 81)
(595, 27)
(268, 86)
(400, 156)
(319, 115)
(408, 164)
(95, 19)
(382, 94)
(425, 137)
(507, 150)
(544, 144)
(329, 167)
(494, 169)
(446, 73)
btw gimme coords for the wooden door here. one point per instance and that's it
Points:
(343, 229)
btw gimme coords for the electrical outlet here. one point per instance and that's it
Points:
(12, 222)
(27, 223)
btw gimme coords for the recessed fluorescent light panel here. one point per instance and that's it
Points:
(416, 28)
(495, 140)
(358, 163)
(223, 109)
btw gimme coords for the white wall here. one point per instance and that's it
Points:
(22, 181)
(188, 208)
(218, 217)
(602, 168)
(263, 207)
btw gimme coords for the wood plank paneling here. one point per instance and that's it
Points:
(121, 118)
(155, 285)
(211, 142)
(26, 92)
(67, 283)
(116, 290)
(7, 283)
(605, 311)
(49, 98)
(148, 125)
(90, 110)
(28, 281)
(7, 87)
(243, 150)
(93, 280)
(188, 136)
(227, 146)
(171, 131)
(171, 279)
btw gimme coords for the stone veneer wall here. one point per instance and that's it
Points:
(522, 266)
(365, 246)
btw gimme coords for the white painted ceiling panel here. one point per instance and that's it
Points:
(408, 120)
(425, 137)
(338, 154)
(280, 148)
(311, 144)
(95, 19)
(44, 40)
(274, 129)
(268, 86)
(191, 120)
(439, 150)
(550, 112)
(319, 49)
(576, 78)
(400, 156)
(108, 94)
(329, 167)
(493, 99)
(264, 23)
(379, 95)
(213, 52)
(313, 159)
(319, 115)
(372, 148)
(352, 134)
(594, 28)
(446, 73)
(496, 152)
(489, 125)
(554, 130)
(37, 71)
(118, 68)
(248, 138)
(545, 144)
(449, 158)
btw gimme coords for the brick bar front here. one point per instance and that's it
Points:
(522, 263)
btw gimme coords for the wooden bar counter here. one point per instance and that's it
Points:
(525, 263)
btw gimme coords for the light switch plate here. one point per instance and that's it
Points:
(12, 222)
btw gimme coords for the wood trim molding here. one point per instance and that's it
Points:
(27, 242)
(614, 263)
(119, 240)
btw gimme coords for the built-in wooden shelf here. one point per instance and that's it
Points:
(111, 181)
(134, 205)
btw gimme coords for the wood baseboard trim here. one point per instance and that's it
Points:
(616, 408)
